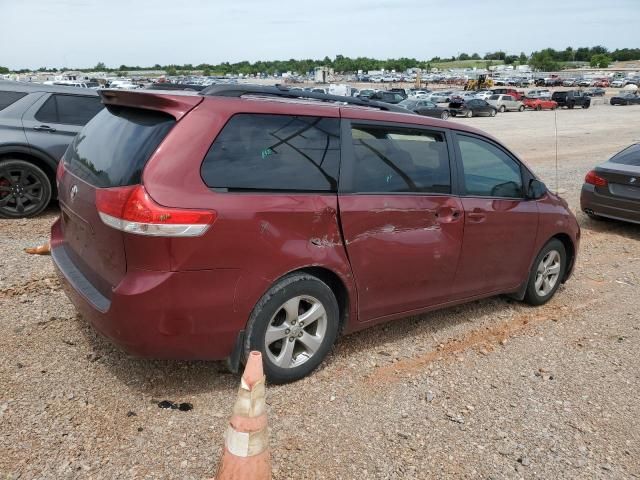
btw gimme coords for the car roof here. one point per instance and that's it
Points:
(25, 87)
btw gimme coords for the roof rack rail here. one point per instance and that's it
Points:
(286, 92)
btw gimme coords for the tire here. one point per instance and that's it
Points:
(25, 190)
(586, 105)
(570, 106)
(453, 114)
(521, 109)
(444, 115)
(552, 256)
(538, 108)
(302, 293)
(502, 109)
(493, 113)
(469, 114)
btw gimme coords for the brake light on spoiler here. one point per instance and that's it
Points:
(131, 209)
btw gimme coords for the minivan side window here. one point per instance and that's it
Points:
(69, 109)
(260, 152)
(8, 98)
(487, 170)
(394, 159)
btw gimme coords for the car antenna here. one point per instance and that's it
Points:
(555, 123)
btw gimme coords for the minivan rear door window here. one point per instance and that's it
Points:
(259, 152)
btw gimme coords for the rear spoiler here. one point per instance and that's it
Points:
(175, 104)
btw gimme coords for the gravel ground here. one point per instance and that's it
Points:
(492, 389)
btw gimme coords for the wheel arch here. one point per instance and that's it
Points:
(570, 249)
(337, 286)
(37, 157)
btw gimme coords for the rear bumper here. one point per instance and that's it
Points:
(610, 207)
(158, 314)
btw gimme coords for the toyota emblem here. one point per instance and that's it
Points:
(73, 192)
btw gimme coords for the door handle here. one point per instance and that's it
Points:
(476, 215)
(44, 128)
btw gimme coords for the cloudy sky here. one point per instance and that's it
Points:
(80, 33)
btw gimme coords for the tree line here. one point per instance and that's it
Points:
(547, 59)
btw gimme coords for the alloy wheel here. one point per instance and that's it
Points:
(296, 331)
(548, 273)
(21, 191)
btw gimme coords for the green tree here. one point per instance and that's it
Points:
(544, 61)
(100, 67)
(600, 60)
(4, 70)
(171, 71)
(463, 56)
(475, 56)
(206, 72)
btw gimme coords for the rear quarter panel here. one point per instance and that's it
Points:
(264, 235)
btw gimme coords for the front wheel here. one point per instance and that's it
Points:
(521, 109)
(538, 107)
(294, 325)
(547, 273)
(586, 105)
(25, 190)
(492, 113)
(502, 109)
(469, 114)
(444, 115)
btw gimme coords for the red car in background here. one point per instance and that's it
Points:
(540, 104)
(508, 91)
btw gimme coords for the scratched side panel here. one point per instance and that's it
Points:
(266, 236)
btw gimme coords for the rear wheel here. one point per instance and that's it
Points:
(570, 106)
(25, 189)
(547, 273)
(586, 105)
(469, 113)
(444, 115)
(492, 113)
(538, 107)
(521, 109)
(294, 325)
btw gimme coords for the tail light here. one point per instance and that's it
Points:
(594, 179)
(132, 210)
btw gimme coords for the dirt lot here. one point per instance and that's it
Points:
(492, 389)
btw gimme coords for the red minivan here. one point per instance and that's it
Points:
(205, 225)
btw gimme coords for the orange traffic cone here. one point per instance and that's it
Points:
(44, 249)
(246, 453)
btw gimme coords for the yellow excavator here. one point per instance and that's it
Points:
(482, 82)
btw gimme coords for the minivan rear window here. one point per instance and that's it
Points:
(113, 148)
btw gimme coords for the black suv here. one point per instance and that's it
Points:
(571, 98)
(37, 123)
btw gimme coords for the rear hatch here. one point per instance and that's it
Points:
(108, 154)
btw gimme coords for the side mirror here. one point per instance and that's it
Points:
(536, 189)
